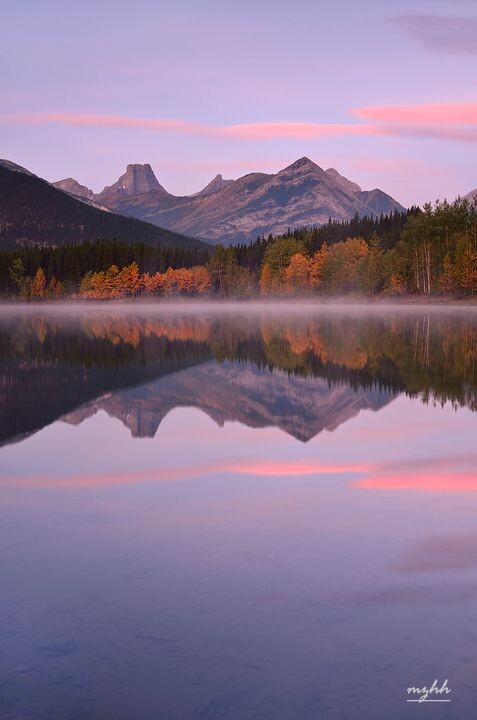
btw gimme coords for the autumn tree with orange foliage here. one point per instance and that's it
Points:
(128, 282)
(297, 274)
(317, 264)
(152, 284)
(183, 281)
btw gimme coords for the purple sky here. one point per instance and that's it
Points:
(383, 91)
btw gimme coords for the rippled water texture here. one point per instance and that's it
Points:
(237, 513)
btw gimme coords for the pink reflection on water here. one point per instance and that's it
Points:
(254, 468)
(445, 482)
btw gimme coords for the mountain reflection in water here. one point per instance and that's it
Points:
(299, 371)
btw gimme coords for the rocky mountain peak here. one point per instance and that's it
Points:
(218, 183)
(303, 164)
(139, 179)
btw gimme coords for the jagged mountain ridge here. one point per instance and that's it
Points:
(258, 203)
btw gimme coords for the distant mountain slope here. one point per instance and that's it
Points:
(16, 168)
(378, 201)
(234, 211)
(472, 195)
(72, 187)
(34, 212)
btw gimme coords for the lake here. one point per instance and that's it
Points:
(237, 512)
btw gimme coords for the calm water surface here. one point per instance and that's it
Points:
(250, 513)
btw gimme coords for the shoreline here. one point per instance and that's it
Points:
(243, 304)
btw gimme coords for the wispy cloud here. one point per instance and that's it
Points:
(426, 115)
(250, 131)
(294, 130)
(448, 121)
(444, 121)
(433, 133)
(109, 121)
(454, 35)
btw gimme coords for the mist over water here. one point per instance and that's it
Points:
(249, 510)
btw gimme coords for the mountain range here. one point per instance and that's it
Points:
(234, 211)
(33, 212)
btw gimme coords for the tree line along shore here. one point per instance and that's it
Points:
(429, 252)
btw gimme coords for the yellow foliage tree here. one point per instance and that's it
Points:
(447, 278)
(468, 271)
(395, 285)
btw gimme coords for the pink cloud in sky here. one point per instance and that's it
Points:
(441, 121)
(250, 131)
(449, 121)
(461, 134)
(426, 115)
(293, 130)
(111, 121)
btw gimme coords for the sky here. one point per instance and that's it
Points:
(385, 92)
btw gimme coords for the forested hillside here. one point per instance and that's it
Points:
(33, 212)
